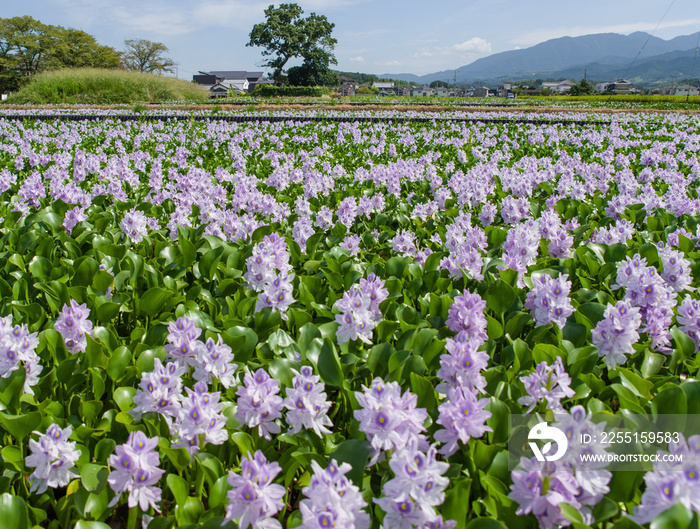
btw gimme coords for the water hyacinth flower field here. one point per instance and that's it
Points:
(328, 324)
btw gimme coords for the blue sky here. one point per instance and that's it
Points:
(374, 36)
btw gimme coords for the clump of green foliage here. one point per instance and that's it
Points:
(290, 91)
(100, 86)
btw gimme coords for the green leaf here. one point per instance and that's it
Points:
(209, 262)
(635, 383)
(217, 493)
(329, 364)
(83, 524)
(124, 397)
(570, 512)
(676, 517)
(13, 512)
(93, 477)
(118, 362)
(179, 487)
(19, 426)
(189, 254)
(356, 453)
(457, 502)
(85, 272)
(153, 300)
(499, 297)
(396, 266)
(485, 523)
(425, 391)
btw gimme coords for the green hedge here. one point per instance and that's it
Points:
(267, 90)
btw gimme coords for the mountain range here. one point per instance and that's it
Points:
(600, 57)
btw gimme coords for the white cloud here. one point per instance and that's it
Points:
(473, 48)
(475, 45)
(357, 59)
(530, 38)
(387, 63)
(167, 22)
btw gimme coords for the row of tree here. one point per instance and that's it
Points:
(28, 46)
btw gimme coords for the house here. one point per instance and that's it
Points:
(347, 85)
(421, 91)
(620, 86)
(441, 91)
(385, 88)
(559, 87)
(237, 81)
(680, 90)
(505, 90)
(482, 91)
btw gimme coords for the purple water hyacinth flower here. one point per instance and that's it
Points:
(591, 476)
(388, 418)
(17, 345)
(277, 294)
(520, 249)
(462, 417)
(487, 214)
(199, 415)
(621, 232)
(463, 366)
(332, 500)
(258, 403)
(136, 471)
(560, 244)
(688, 319)
(549, 383)
(401, 512)
(301, 231)
(215, 360)
(307, 404)
(404, 243)
(347, 211)
(135, 225)
(352, 244)
(359, 308)
(270, 274)
(673, 482)
(676, 270)
(73, 217)
(160, 391)
(324, 218)
(514, 210)
(53, 457)
(420, 475)
(539, 488)
(616, 333)
(183, 344)
(254, 498)
(74, 326)
(466, 314)
(549, 300)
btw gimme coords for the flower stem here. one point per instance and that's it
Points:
(133, 516)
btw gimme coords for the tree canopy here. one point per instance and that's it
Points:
(145, 56)
(286, 34)
(582, 88)
(27, 47)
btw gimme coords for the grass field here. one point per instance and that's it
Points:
(99, 86)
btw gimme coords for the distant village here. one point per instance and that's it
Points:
(225, 83)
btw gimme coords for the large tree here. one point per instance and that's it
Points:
(313, 72)
(286, 34)
(27, 47)
(146, 56)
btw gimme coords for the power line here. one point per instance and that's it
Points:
(692, 68)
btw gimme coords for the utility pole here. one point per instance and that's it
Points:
(584, 74)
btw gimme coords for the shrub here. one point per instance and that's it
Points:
(291, 91)
(100, 86)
